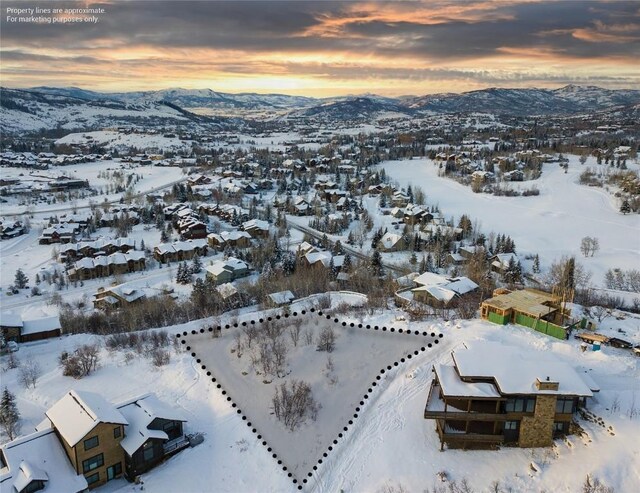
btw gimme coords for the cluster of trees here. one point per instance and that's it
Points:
(266, 347)
(589, 246)
(185, 272)
(153, 345)
(623, 280)
(293, 403)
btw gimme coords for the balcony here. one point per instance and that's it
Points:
(175, 445)
(436, 408)
(456, 438)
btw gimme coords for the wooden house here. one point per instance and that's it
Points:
(235, 239)
(153, 432)
(479, 401)
(256, 228)
(391, 242)
(179, 251)
(223, 271)
(90, 430)
(85, 441)
(14, 328)
(531, 308)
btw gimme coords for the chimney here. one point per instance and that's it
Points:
(547, 384)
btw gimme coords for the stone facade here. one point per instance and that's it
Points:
(537, 430)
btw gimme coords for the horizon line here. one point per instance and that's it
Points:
(571, 84)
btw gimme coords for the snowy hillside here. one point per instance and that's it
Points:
(567, 100)
(31, 111)
(49, 107)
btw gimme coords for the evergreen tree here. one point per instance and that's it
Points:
(9, 415)
(346, 263)
(337, 248)
(536, 264)
(164, 236)
(21, 279)
(513, 273)
(142, 245)
(196, 264)
(375, 264)
(625, 208)
(184, 274)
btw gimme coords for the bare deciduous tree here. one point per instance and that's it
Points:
(294, 331)
(327, 340)
(29, 374)
(293, 404)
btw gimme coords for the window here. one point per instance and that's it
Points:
(559, 426)
(90, 443)
(510, 425)
(147, 451)
(520, 405)
(92, 463)
(565, 405)
(530, 405)
(94, 478)
(117, 432)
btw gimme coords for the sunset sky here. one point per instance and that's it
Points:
(327, 48)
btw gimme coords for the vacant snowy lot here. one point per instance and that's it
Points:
(339, 379)
(551, 224)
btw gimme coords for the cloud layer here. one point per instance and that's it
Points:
(328, 47)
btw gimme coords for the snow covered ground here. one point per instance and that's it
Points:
(338, 379)
(551, 224)
(152, 178)
(389, 444)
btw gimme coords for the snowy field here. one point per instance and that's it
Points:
(389, 444)
(551, 224)
(338, 379)
(153, 178)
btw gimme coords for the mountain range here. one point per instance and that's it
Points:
(72, 107)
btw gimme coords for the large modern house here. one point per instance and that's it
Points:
(86, 441)
(493, 394)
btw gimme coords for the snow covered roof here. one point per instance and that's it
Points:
(227, 290)
(39, 456)
(444, 288)
(41, 325)
(234, 235)
(79, 412)
(502, 260)
(257, 224)
(8, 319)
(305, 247)
(389, 240)
(140, 413)
(516, 371)
(230, 264)
(282, 297)
(452, 386)
(323, 257)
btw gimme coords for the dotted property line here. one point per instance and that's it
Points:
(358, 408)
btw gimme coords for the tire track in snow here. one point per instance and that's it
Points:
(384, 412)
